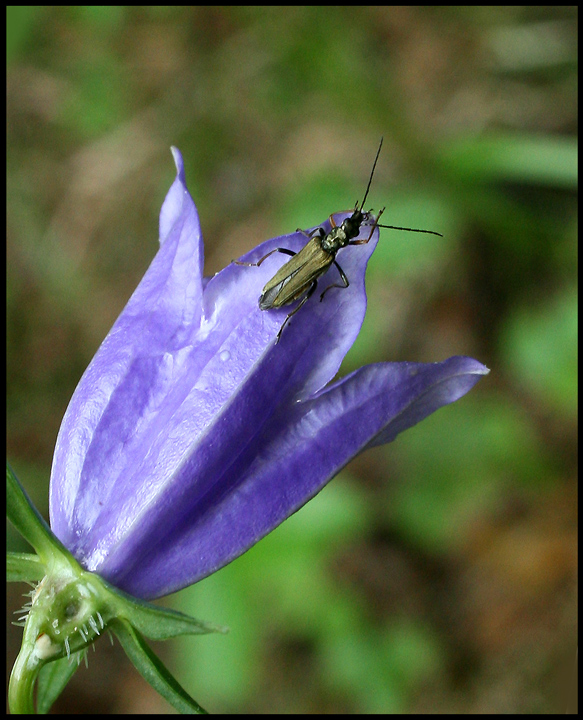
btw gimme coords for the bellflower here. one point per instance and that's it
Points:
(192, 433)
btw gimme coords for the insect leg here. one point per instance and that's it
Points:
(293, 312)
(316, 231)
(344, 279)
(258, 263)
(319, 230)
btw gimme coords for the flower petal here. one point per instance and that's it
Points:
(296, 453)
(131, 373)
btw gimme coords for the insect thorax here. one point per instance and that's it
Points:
(336, 239)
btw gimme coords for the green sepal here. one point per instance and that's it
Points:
(24, 567)
(30, 523)
(153, 670)
(158, 623)
(52, 680)
(71, 608)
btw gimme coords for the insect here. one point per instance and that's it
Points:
(299, 276)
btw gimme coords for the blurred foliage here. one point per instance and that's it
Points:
(437, 574)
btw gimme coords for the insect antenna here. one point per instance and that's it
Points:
(395, 227)
(371, 174)
(388, 227)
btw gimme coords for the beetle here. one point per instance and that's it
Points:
(299, 276)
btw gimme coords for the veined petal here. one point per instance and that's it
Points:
(130, 376)
(296, 453)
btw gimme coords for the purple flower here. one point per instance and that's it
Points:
(192, 434)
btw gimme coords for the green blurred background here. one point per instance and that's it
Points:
(436, 574)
